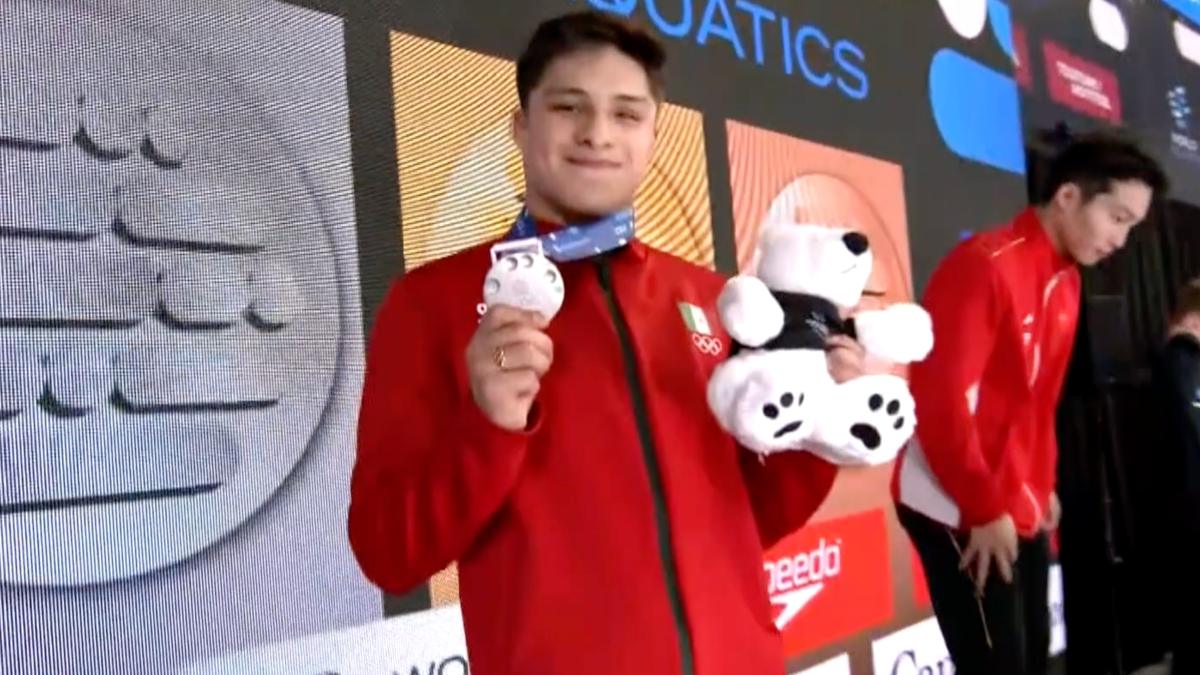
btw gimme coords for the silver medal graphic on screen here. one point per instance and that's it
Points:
(523, 277)
(170, 329)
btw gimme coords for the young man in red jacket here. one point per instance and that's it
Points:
(975, 489)
(601, 520)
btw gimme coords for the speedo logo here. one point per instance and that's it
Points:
(796, 580)
(830, 580)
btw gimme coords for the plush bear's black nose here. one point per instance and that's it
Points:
(857, 243)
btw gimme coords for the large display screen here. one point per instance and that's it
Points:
(202, 205)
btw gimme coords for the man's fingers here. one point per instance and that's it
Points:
(842, 342)
(844, 357)
(1011, 549)
(513, 334)
(834, 341)
(503, 315)
(512, 384)
(525, 356)
(968, 555)
(525, 383)
(507, 347)
(983, 565)
(1005, 568)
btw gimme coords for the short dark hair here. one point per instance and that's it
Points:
(588, 29)
(1094, 161)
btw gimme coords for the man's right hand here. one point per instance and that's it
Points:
(995, 541)
(506, 359)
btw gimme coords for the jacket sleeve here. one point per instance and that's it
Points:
(431, 469)
(962, 299)
(1047, 480)
(785, 490)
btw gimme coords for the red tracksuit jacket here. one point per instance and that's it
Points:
(625, 532)
(1004, 305)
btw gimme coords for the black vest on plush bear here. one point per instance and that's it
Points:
(808, 322)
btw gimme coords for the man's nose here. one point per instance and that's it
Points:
(594, 129)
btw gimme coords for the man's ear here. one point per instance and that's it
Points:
(519, 126)
(1068, 196)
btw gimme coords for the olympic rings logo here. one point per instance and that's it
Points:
(707, 344)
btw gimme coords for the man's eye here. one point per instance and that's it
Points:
(564, 107)
(629, 116)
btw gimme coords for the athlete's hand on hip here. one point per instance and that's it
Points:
(506, 359)
(994, 542)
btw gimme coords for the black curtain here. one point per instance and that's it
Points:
(1115, 534)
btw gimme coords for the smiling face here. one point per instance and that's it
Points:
(586, 135)
(1090, 230)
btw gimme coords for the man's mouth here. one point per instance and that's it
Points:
(588, 163)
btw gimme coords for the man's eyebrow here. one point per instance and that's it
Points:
(632, 98)
(576, 91)
(561, 91)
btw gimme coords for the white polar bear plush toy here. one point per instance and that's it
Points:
(775, 392)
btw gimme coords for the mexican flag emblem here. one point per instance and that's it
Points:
(695, 319)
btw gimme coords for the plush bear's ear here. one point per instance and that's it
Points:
(768, 234)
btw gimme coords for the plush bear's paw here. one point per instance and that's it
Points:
(780, 411)
(749, 312)
(869, 421)
(887, 418)
(725, 387)
(770, 415)
(902, 333)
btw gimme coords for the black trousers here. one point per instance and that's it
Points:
(1184, 587)
(1006, 631)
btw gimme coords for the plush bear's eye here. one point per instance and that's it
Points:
(856, 242)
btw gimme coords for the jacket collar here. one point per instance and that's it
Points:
(1031, 228)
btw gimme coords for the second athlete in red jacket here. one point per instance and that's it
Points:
(976, 488)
